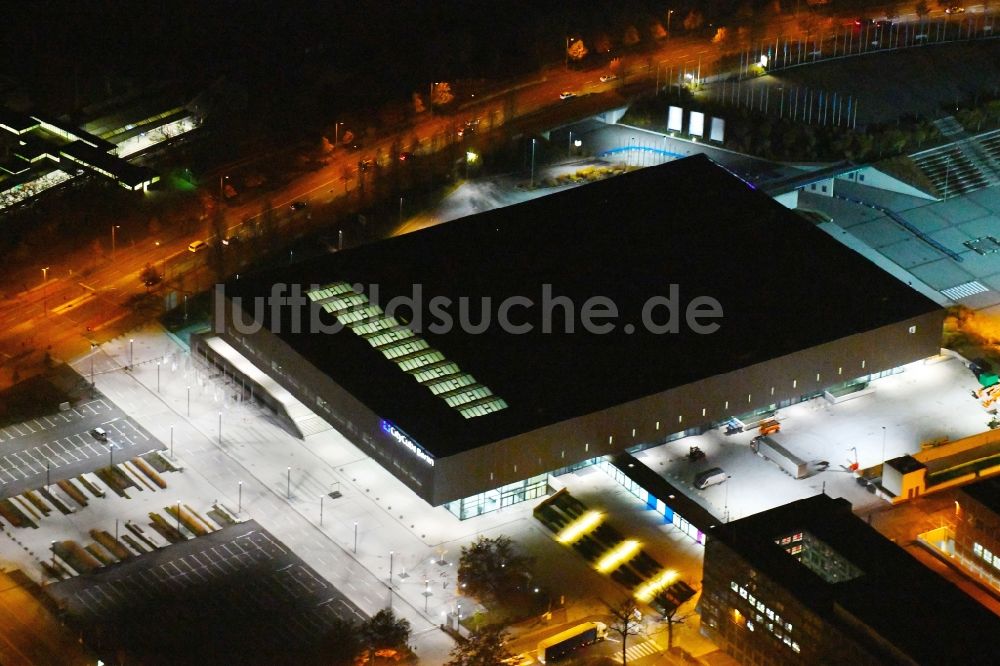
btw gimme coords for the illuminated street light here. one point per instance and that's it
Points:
(470, 158)
(114, 227)
(45, 280)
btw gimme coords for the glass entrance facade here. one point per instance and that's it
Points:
(498, 498)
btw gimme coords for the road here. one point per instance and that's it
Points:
(64, 314)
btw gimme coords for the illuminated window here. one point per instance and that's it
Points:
(863, 363)
(977, 549)
(733, 586)
(795, 383)
(913, 329)
(743, 592)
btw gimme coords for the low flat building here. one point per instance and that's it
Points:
(977, 527)
(713, 300)
(811, 583)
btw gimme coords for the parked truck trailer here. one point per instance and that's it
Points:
(556, 647)
(771, 449)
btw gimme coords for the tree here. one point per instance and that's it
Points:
(656, 30)
(626, 620)
(631, 37)
(577, 50)
(922, 9)
(149, 276)
(693, 20)
(418, 104)
(486, 646)
(384, 631)
(441, 93)
(602, 43)
(339, 645)
(490, 570)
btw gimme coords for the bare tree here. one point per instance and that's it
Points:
(626, 620)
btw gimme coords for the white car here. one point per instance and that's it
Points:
(566, 95)
(955, 9)
(608, 77)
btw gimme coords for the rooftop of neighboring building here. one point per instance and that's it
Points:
(881, 586)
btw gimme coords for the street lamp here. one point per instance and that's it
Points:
(220, 428)
(288, 484)
(171, 440)
(131, 343)
(355, 537)
(532, 164)
(669, 15)
(45, 280)
(239, 501)
(114, 227)
(222, 191)
(470, 158)
(157, 376)
(189, 401)
(336, 134)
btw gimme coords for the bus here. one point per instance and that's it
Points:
(558, 646)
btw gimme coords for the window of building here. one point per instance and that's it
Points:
(913, 329)
(977, 549)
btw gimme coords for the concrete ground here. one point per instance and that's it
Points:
(929, 400)
(283, 479)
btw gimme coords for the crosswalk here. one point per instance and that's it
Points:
(643, 649)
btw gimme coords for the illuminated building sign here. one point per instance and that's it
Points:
(405, 440)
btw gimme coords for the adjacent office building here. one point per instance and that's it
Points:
(811, 583)
(977, 526)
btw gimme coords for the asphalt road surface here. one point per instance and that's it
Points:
(193, 602)
(59, 446)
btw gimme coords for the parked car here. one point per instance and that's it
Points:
(566, 95)
(608, 77)
(710, 477)
(100, 434)
(197, 246)
(298, 205)
(955, 9)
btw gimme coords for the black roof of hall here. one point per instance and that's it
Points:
(920, 613)
(689, 222)
(986, 492)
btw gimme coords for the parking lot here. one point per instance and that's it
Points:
(62, 443)
(235, 595)
(928, 401)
